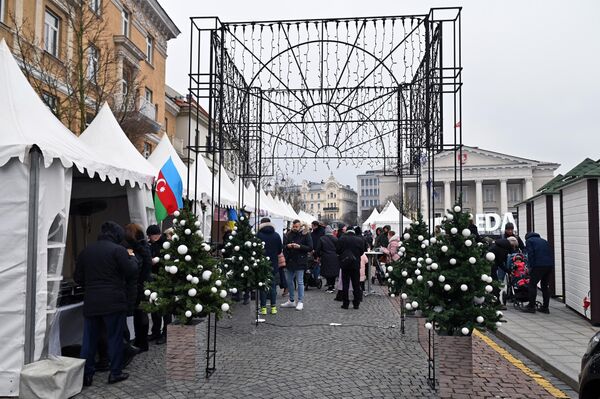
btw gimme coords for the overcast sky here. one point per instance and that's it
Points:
(531, 85)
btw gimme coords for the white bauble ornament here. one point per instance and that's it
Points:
(153, 296)
(167, 268)
(187, 231)
(188, 313)
(233, 233)
(489, 288)
(240, 258)
(430, 283)
(420, 238)
(413, 259)
(433, 240)
(260, 284)
(223, 294)
(417, 272)
(225, 307)
(444, 248)
(498, 324)
(428, 325)
(450, 217)
(438, 309)
(415, 304)
(242, 218)
(195, 280)
(404, 296)
(197, 223)
(419, 265)
(155, 260)
(254, 254)
(175, 221)
(479, 319)
(188, 258)
(447, 287)
(452, 261)
(253, 244)
(236, 248)
(434, 266)
(408, 306)
(182, 223)
(489, 279)
(246, 268)
(499, 313)
(192, 292)
(166, 245)
(490, 256)
(234, 290)
(390, 268)
(478, 300)
(387, 275)
(218, 283)
(468, 243)
(419, 278)
(175, 237)
(425, 242)
(189, 277)
(472, 260)
(416, 223)
(200, 267)
(409, 281)
(393, 295)
(230, 237)
(484, 277)
(466, 232)
(206, 247)
(176, 214)
(420, 260)
(213, 290)
(173, 269)
(206, 275)
(453, 230)
(441, 279)
(457, 208)
(402, 249)
(147, 292)
(404, 273)
(198, 308)
(463, 287)
(242, 275)
(223, 251)
(429, 261)
(465, 331)
(423, 246)
(406, 236)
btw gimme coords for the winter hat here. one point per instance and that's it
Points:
(153, 230)
(328, 231)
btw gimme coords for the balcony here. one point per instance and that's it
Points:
(140, 114)
(331, 209)
(147, 109)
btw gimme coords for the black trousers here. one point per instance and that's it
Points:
(140, 326)
(354, 276)
(330, 282)
(157, 321)
(536, 275)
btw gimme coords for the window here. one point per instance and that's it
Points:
(312, 206)
(514, 193)
(146, 150)
(148, 95)
(2, 10)
(125, 17)
(95, 6)
(51, 30)
(166, 125)
(51, 101)
(319, 206)
(93, 62)
(312, 196)
(149, 49)
(489, 194)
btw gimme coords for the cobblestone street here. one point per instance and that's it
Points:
(300, 355)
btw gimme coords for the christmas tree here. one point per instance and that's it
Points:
(190, 284)
(405, 276)
(244, 262)
(458, 296)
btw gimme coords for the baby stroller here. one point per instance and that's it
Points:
(517, 280)
(312, 276)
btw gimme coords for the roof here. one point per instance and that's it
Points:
(109, 141)
(170, 29)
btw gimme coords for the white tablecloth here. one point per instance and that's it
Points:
(66, 329)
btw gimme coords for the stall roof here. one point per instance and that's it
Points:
(109, 141)
(27, 122)
(161, 154)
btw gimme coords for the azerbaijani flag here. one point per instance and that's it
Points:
(169, 191)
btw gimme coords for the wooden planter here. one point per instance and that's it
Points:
(183, 347)
(454, 358)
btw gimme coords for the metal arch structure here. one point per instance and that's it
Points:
(383, 92)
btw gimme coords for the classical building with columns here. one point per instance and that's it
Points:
(492, 183)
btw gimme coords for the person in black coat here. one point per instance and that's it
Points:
(541, 266)
(509, 231)
(297, 243)
(501, 248)
(155, 243)
(317, 232)
(326, 251)
(350, 248)
(103, 269)
(273, 247)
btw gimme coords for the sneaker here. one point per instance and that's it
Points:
(289, 304)
(299, 306)
(263, 310)
(544, 310)
(329, 291)
(273, 309)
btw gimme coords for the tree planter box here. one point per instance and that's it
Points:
(454, 358)
(183, 347)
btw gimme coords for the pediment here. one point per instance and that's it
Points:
(472, 156)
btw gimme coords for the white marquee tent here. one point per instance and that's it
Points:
(367, 223)
(391, 216)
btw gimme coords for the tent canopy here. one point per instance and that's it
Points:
(391, 216)
(109, 141)
(367, 223)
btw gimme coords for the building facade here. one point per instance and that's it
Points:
(120, 52)
(329, 200)
(493, 183)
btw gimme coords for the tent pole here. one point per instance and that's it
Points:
(32, 252)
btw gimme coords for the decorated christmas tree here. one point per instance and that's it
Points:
(244, 262)
(405, 276)
(190, 284)
(458, 296)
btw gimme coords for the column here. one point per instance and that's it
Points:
(447, 196)
(424, 200)
(503, 198)
(478, 196)
(528, 188)
(39, 22)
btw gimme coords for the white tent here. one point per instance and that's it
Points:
(391, 216)
(306, 217)
(367, 223)
(225, 191)
(161, 154)
(37, 215)
(109, 141)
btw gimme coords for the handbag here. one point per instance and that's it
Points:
(281, 260)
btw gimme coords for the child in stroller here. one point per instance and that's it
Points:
(517, 279)
(312, 276)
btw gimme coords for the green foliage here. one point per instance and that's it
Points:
(467, 279)
(404, 276)
(195, 269)
(244, 260)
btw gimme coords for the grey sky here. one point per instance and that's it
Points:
(530, 67)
